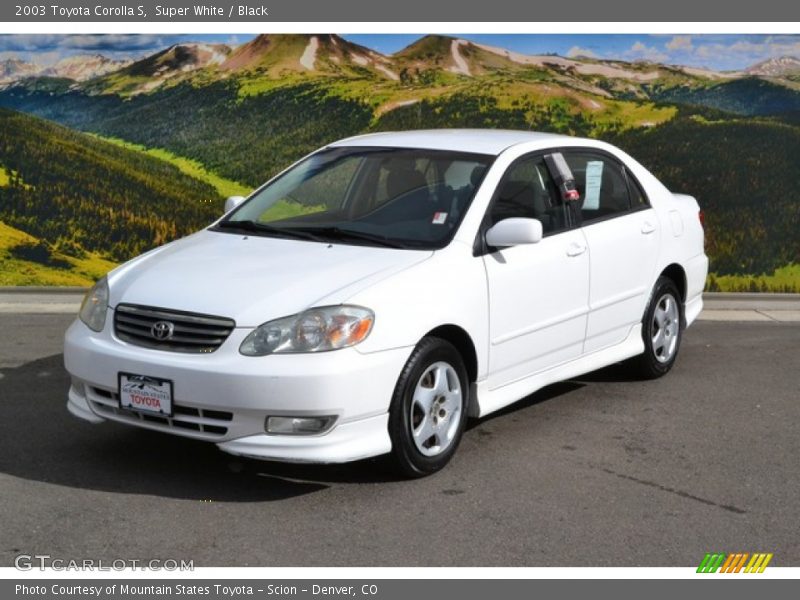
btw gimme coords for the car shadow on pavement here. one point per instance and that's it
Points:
(543, 395)
(41, 441)
(621, 372)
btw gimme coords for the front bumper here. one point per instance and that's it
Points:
(224, 397)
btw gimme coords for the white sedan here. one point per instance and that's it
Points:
(375, 294)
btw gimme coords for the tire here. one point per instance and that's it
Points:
(430, 399)
(662, 330)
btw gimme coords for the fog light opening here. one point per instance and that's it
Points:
(79, 387)
(298, 425)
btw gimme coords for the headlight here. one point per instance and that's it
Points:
(315, 330)
(95, 305)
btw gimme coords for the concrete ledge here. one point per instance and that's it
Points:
(40, 308)
(748, 301)
(747, 296)
(779, 316)
(41, 289)
(780, 308)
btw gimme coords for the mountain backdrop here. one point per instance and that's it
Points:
(102, 159)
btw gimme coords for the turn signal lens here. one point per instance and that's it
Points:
(95, 305)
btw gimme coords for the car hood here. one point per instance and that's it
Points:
(253, 279)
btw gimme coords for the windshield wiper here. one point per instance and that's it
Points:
(256, 227)
(337, 233)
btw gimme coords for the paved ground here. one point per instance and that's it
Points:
(600, 471)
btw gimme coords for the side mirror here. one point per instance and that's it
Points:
(232, 202)
(513, 232)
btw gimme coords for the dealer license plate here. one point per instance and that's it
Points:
(145, 394)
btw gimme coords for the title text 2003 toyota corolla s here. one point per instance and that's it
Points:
(375, 294)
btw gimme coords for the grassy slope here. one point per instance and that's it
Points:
(193, 168)
(8, 177)
(784, 279)
(13, 271)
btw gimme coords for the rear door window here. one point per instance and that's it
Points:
(602, 185)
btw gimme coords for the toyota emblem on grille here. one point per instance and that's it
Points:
(162, 330)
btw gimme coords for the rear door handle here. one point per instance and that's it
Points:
(576, 249)
(648, 227)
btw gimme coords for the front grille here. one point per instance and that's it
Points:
(205, 423)
(185, 331)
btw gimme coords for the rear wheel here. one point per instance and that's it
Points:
(662, 328)
(429, 408)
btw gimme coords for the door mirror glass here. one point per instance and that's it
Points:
(232, 202)
(514, 231)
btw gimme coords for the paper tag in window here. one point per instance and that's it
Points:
(439, 218)
(594, 181)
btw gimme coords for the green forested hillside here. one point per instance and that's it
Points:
(243, 139)
(249, 138)
(743, 173)
(82, 194)
(739, 169)
(729, 140)
(747, 96)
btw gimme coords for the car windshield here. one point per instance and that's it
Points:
(394, 197)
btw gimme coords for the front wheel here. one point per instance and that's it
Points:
(429, 408)
(662, 328)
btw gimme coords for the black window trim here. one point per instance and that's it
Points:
(480, 247)
(633, 182)
(629, 178)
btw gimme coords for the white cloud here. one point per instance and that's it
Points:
(48, 49)
(641, 51)
(96, 42)
(577, 51)
(680, 43)
(746, 52)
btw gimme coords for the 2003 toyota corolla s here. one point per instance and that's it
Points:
(376, 293)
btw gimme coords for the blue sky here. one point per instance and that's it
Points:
(720, 52)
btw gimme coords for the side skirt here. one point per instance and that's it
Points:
(486, 401)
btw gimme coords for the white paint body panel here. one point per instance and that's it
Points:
(532, 325)
(535, 313)
(622, 256)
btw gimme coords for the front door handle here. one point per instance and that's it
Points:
(648, 227)
(576, 249)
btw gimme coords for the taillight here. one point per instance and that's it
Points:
(702, 217)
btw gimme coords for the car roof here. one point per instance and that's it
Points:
(480, 141)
